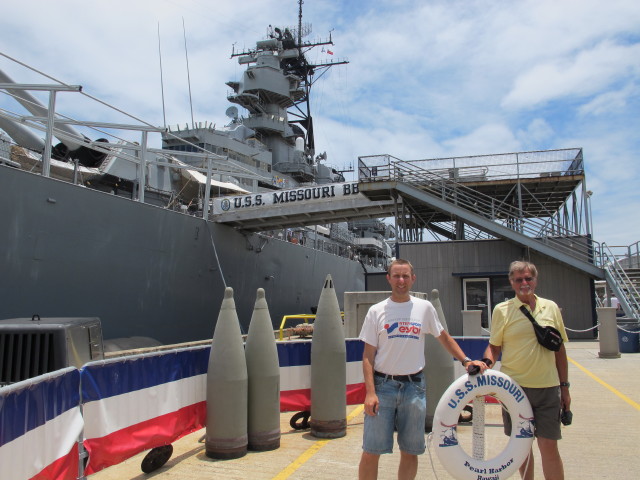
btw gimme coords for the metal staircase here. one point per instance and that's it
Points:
(535, 199)
(528, 198)
(622, 273)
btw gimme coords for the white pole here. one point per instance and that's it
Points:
(142, 165)
(205, 207)
(46, 156)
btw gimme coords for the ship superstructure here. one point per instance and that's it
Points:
(125, 232)
(271, 147)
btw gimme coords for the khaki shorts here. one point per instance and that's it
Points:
(545, 403)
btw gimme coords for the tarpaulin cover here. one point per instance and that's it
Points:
(40, 422)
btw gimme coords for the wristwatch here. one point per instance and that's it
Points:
(465, 361)
(565, 384)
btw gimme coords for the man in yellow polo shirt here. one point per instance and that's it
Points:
(542, 373)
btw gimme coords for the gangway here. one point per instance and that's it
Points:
(312, 205)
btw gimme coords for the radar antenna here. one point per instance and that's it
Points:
(232, 112)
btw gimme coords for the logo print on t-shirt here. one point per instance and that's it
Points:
(406, 329)
(391, 328)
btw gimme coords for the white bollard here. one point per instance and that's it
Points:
(608, 333)
(471, 323)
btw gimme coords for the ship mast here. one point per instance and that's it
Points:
(307, 72)
(300, 2)
(297, 65)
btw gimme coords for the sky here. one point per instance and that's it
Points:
(428, 79)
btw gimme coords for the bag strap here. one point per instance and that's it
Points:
(524, 310)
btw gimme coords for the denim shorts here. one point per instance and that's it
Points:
(402, 405)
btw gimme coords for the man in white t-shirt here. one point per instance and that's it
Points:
(393, 334)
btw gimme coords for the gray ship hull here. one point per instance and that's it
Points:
(70, 251)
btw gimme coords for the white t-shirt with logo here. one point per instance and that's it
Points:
(397, 331)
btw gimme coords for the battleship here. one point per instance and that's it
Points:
(125, 232)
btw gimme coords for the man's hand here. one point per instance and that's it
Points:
(478, 366)
(371, 404)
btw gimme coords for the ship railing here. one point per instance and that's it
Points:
(370, 241)
(341, 233)
(548, 227)
(141, 157)
(448, 230)
(134, 152)
(627, 255)
(369, 224)
(266, 120)
(217, 164)
(504, 166)
(5, 147)
(60, 127)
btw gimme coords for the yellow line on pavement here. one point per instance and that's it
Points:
(312, 450)
(606, 385)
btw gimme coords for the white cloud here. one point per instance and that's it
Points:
(538, 132)
(426, 79)
(487, 139)
(585, 74)
(609, 102)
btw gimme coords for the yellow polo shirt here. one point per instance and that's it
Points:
(523, 358)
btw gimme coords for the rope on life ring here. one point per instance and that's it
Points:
(446, 417)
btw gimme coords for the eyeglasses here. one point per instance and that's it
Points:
(520, 280)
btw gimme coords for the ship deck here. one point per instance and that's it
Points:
(601, 443)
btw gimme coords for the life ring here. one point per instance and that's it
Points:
(445, 422)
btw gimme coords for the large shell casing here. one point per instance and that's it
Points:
(263, 369)
(328, 368)
(227, 385)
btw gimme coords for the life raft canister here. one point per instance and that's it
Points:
(445, 423)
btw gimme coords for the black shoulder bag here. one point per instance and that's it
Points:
(548, 337)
